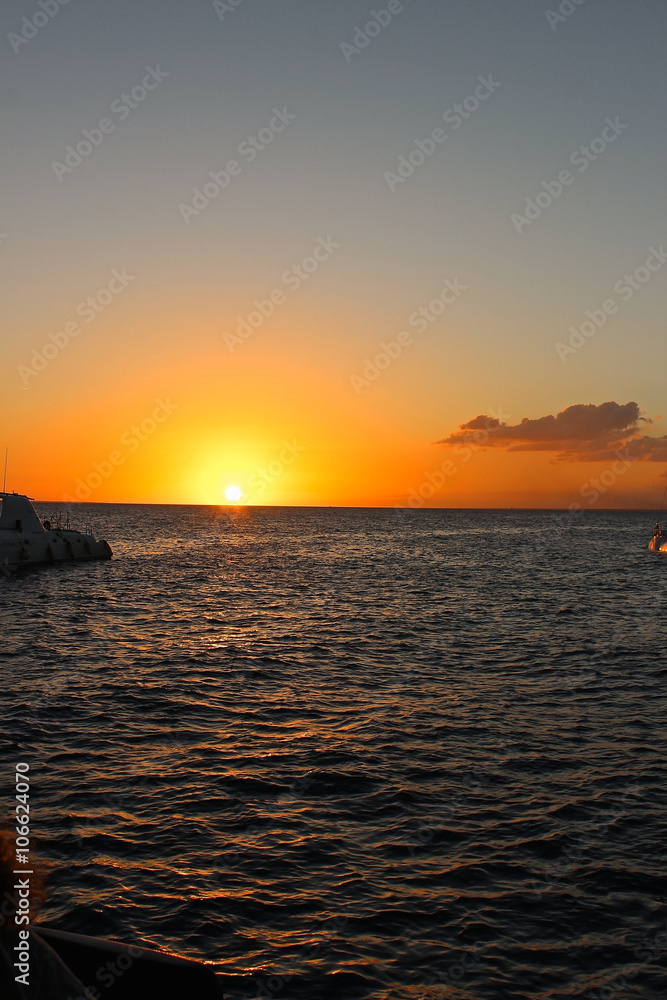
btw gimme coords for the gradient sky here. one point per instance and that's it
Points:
(279, 413)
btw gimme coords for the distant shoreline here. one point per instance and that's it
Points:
(228, 506)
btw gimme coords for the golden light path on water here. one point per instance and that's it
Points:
(312, 743)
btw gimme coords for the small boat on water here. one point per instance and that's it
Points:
(131, 972)
(659, 541)
(24, 539)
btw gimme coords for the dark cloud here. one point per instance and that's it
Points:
(580, 433)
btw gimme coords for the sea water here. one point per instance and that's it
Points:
(353, 753)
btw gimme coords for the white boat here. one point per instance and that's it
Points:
(659, 541)
(25, 539)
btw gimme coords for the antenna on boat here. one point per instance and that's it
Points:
(4, 482)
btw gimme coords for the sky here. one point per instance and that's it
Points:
(335, 253)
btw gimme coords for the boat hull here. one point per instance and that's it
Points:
(131, 972)
(19, 549)
(25, 539)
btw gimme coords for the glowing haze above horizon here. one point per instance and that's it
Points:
(260, 340)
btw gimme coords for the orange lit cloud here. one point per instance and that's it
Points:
(580, 433)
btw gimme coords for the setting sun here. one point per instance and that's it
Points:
(333, 445)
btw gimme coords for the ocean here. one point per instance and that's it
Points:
(353, 753)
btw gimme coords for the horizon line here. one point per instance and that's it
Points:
(248, 506)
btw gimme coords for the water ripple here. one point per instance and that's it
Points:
(339, 754)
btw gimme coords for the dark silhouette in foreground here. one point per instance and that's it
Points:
(64, 966)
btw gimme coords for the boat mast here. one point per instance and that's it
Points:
(4, 482)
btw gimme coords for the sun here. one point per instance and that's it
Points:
(233, 493)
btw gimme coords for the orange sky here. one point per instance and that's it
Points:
(186, 431)
(121, 311)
